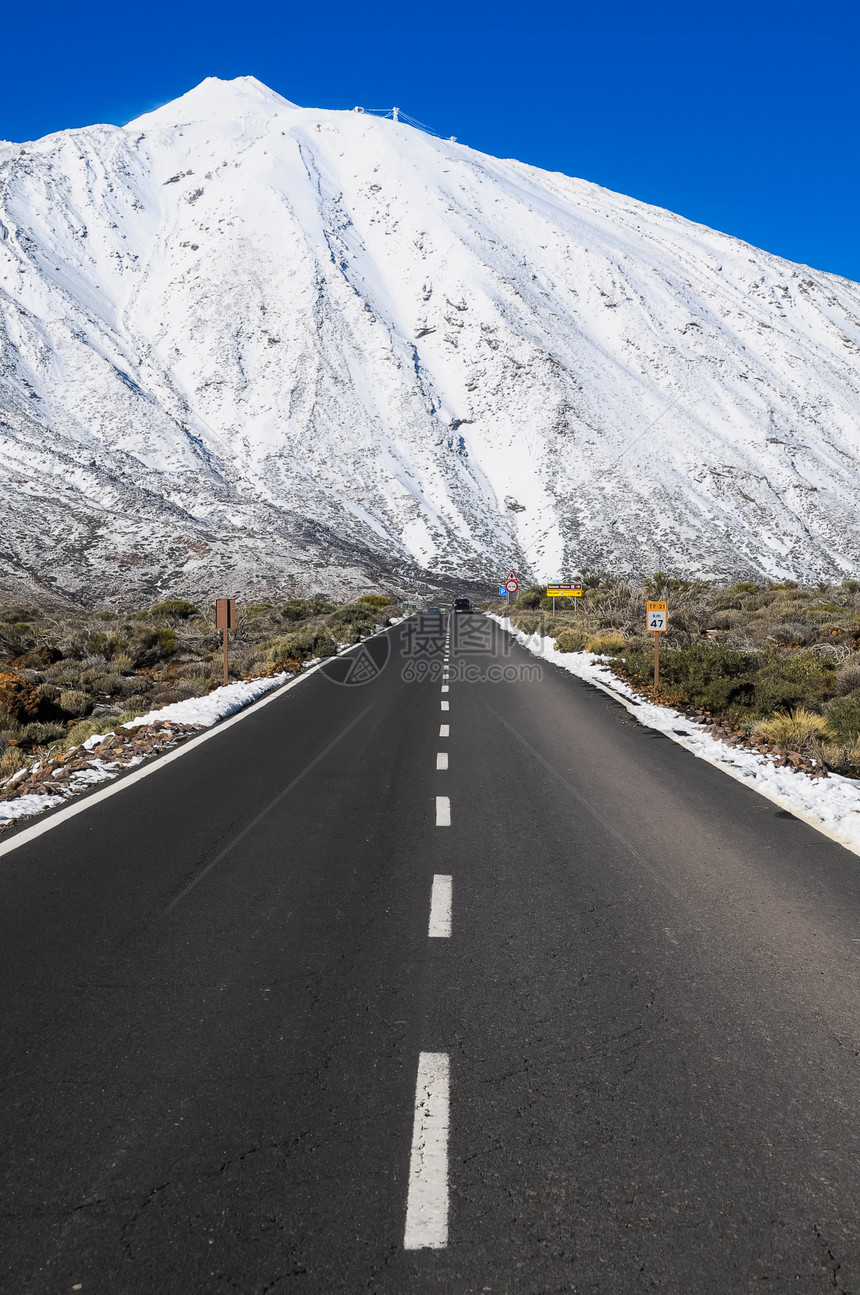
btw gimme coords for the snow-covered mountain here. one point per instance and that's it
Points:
(250, 346)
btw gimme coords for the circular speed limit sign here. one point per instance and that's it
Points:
(511, 586)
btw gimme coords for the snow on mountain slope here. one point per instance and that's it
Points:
(247, 345)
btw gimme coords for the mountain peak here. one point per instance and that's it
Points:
(214, 98)
(258, 347)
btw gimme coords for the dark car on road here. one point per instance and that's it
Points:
(462, 605)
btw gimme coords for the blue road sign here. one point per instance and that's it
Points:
(503, 593)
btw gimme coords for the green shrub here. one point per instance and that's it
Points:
(843, 716)
(787, 680)
(151, 646)
(374, 600)
(96, 643)
(568, 640)
(174, 607)
(9, 725)
(301, 609)
(707, 675)
(531, 598)
(75, 702)
(301, 646)
(349, 615)
(721, 679)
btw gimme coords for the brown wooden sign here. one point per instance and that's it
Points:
(225, 613)
(225, 619)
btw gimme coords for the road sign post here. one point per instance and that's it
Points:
(657, 622)
(560, 590)
(225, 620)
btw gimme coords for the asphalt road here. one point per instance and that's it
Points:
(219, 995)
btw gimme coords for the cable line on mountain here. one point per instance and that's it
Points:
(398, 115)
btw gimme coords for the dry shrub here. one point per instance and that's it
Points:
(529, 624)
(793, 632)
(727, 619)
(798, 731)
(180, 691)
(11, 760)
(841, 759)
(606, 643)
(848, 676)
(75, 702)
(40, 734)
(570, 640)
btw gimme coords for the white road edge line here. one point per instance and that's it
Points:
(63, 815)
(773, 797)
(443, 811)
(441, 760)
(444, 730)
(427, 1197)
(441, 900)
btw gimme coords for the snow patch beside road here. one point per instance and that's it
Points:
(193, 712)
(201, 712)
(832, 804)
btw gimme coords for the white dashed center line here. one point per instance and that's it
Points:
(444, 730)
(427, 1200)
(445, 687)
(441, 759)
(446, 705)
(443, 811)
(440, 907)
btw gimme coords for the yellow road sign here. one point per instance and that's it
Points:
(657, 617)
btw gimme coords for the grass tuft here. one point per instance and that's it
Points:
(799, 731)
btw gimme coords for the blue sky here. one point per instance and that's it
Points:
(741, 115)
